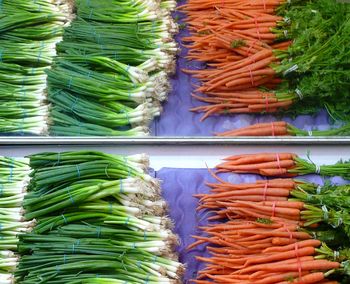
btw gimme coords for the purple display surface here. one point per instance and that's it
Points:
(179, 185)
(177, 120)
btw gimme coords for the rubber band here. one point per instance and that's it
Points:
(77, 243)
(251, 76)
(1, 189)
(134, 245)
(58, 158)
(144, 235)
(309, 133)
(70, 196)
(1, 55)
(1, 227)
(267, 107)
(273, 208)
(319, 189)
(287, 20)
(121, 187)
(336, 255)
(279, 163)
(325, 213)
(147, 278)
(40, 51)
(106, 171)
(257, 28)
(98, 231)
(273, 134)
(69, 85)
(64, 218)
(288, 231)
(126, 115)
(291, 69)
(10, 178)
(91, 12)
(78, 170)
(127, 221)
(299, 93)
(251, 47)
(58, 269)
(154, 259)
(23, 89)
(296, 248)
(285, 32)
(110, 207)
(265, 190)
(64, 259)
(126, 164)
(138, 264)
(317, 169)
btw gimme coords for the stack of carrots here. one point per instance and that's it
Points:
(281, 165)
(262, 236)
(237, 41)
(268, 56)
(282, 128)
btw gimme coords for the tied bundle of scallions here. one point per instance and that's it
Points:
(99, 218)
(112, 68)
(13, 181)
(29, 33)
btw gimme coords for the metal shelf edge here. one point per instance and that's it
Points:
(23, 141)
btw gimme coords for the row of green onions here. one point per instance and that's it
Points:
(14, 176)
(29, 33)
(84, 217)
(112, 68)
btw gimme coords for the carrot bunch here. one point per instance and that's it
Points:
(236, 39)
(281, 165)
(282, 128)
(262, 240)
(266, 164)
(276, 128)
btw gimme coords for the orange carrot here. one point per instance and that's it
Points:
(301, 244)
(306, 279)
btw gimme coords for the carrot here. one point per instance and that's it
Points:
(258, 274)
(278, 277)
(306, 251)
(306, 279)
(306, 265)
(260, 191)
(273, 207)
(301, 244)
(299, 235)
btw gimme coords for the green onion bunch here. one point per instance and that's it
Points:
(29, 33)
(95, 218)
(112, 68)
(14, 177)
